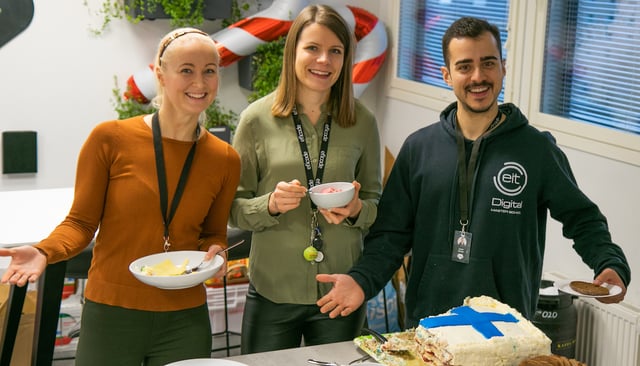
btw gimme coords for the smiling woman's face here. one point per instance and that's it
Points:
(319, 59)
(190, 74)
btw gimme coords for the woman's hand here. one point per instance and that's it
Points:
(338, 214)
(286, 197)
(211, 253)
(27, 264)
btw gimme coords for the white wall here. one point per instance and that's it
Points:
(56, 78)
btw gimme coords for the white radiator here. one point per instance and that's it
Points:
(607, 334)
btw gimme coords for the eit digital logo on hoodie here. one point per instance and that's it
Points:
(510, 180)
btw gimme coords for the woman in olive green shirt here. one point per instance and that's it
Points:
(313, 99)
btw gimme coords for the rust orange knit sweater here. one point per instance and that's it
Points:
(116, 194)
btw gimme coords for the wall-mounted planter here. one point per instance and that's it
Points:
(213, 9)
(222, 132)
(246, 72)
(261, 71)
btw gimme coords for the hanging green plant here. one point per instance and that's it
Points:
(265, 77)
(237, 12)
(181, 13)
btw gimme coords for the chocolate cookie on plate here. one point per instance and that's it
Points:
(588, 288)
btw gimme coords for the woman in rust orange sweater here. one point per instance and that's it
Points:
(124, 321)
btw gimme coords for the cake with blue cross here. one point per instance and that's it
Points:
(481, 332)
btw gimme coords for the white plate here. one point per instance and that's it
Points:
(206, 362)
(179, 281)
(565, 287)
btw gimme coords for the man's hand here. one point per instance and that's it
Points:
(345, 297)
(611, 277)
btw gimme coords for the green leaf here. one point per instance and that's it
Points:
(266, 77)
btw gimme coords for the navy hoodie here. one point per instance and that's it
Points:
(521, 175)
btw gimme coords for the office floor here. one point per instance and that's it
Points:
(65, 358)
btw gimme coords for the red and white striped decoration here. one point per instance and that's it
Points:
(371, 49)
(243, 38)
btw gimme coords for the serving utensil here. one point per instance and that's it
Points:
(377, 335)
(204, 263)
(397, 347)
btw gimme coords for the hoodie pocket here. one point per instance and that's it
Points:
(445, 284)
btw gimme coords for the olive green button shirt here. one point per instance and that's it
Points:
(270, 153)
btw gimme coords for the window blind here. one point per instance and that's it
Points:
(422, 24)
(592, 48)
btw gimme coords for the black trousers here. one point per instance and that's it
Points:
(268, 326)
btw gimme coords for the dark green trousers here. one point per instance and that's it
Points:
(111, 335)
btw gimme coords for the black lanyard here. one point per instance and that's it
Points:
(162, 176)
(466, 173)
(306, 158)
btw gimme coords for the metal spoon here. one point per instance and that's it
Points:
(330, 363)
(322, 363)
(204, 263)
(361, 359)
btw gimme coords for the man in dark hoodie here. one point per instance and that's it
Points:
(468, 198)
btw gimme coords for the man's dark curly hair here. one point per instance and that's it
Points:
(468, 27)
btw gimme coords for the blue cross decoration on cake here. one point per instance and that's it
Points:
(465, 315)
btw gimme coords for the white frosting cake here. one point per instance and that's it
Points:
(482, 332)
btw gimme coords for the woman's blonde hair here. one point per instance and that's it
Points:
(341, 100)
